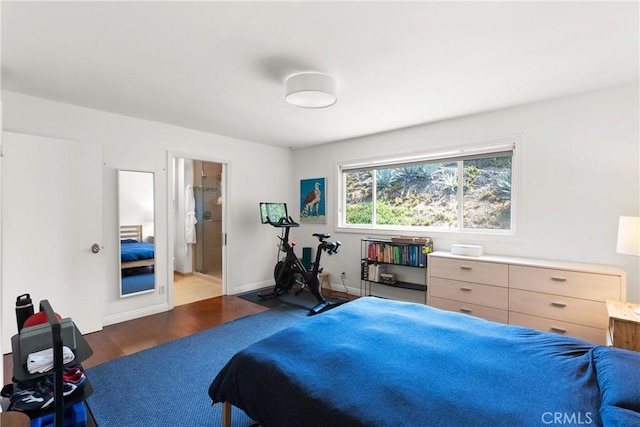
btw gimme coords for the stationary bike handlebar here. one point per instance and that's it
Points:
(330, 247)
(283, 222)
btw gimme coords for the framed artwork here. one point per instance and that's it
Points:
(313, 198)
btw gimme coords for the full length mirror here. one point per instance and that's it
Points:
(137, 240)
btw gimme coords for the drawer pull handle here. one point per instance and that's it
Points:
(558, 279)
(559, 330)
(465, 267)
(558, 304)
(465, 310)
(465, 289)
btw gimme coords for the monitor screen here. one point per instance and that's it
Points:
(274, 211)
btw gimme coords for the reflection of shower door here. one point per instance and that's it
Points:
(207, 193)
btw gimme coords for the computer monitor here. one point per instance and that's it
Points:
(274, 211)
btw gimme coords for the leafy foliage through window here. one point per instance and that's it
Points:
(463, 193)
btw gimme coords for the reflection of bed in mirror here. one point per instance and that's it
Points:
(137, 259)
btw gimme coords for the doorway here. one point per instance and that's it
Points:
(199, 230)
(207, 192)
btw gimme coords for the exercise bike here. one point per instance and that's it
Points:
(290, 271)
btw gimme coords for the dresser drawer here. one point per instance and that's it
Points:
(574, 310)
(475, 293)
(488, 313)
(598, 287)
(587, 333)
(470, 271)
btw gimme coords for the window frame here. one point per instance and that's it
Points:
(495, 146)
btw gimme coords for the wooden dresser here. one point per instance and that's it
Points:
(562, 297)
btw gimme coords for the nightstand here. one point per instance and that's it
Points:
(624, 325)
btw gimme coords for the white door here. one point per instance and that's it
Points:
(51, 217)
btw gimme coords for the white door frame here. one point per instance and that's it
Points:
(171, 156)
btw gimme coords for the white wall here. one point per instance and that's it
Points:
(255, 172)
(579, 171)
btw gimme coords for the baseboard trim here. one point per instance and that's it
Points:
(251, 287)
(135, 314)
(180, 273)
(339, 287)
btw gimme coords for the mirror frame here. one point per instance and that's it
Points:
(136, 221)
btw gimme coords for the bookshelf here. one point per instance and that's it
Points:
(383, 261)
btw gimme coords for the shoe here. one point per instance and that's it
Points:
(7, 390)
(29, 400)
(23, 392)
(23, 385)
(45, 387)
(74, 375)
(40, 397)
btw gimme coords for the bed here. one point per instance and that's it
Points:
(375, 362)
(133, 251)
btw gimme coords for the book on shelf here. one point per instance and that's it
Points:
(400, 253)
(373, 272)
(364, 270)
(388, 278)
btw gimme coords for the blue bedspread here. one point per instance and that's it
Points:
(132, 250)
(375, 362)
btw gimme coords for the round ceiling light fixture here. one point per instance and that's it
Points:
(311, 90)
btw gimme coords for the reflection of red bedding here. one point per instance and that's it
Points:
(136, 254)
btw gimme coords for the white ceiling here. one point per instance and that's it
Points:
(220, 67)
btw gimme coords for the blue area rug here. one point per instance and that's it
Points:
(167, 385)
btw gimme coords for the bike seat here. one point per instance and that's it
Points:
(321, 236)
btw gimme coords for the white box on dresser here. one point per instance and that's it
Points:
(553, 296)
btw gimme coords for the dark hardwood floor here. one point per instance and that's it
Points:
(132, 336)
(129, 337)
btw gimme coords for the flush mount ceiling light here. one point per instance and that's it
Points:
(311, 90)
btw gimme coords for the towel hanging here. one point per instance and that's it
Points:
(190, 216)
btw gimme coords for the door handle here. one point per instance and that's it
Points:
(95, 248)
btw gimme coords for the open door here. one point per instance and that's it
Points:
(52, 229)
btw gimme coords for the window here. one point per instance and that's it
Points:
(465, 189)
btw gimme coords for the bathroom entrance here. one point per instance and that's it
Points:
(198, 240)
(207, 193)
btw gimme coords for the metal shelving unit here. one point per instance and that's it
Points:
(390, 256)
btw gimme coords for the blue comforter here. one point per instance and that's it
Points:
(375, 362)
(132, 250)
